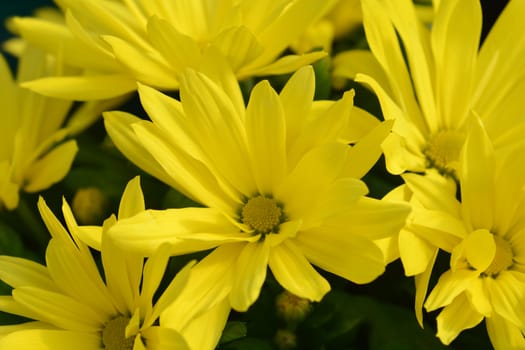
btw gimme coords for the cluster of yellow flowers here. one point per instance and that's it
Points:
(278, 178)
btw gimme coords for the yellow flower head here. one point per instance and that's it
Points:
(119, 42)
(30, 158)
(485, 234)
(430, 80)
(74, 307)
(279, 181)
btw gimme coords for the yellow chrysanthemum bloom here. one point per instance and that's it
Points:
(428, 80)
(279, 181)
(484, 233)
(74, 307)
(117, 43)
(32, 154)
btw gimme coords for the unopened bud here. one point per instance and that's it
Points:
(291, 307)
(285, 339)
(89, 206)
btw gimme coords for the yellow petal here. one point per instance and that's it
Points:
(456, 317)
(50, 339)
(148, 70)
(296, 98)
(84, 88)
(325, 127)
(434, 192)
(360, 123)
(159, 338)
(477, 177)
(208, 287)
(188, 229)
(480, 249)
(506, 293)
(449, 286)
(266, 138)
(118, 126)
(350, 256)
(18, 272)
(210, 323)
(503, 334)
(349, 63)
(132, 201)
(181, 51)
(250, 274)
(172, 292)
(59, 309)
(283, 65)
(52, 168)
(69, 272)
(239, 46)
(311, 177)
(295, 274)
(416, 253)
(421, 282)
(455, 41)
(363, 156)
(215, 115)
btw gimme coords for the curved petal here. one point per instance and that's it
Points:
(51, 340)
(84, 88)
(118, 127)
(503, 334)
(59, 310)
(449, 286)
(132, 200)
(187, 229)
(51, 168)
(295, 274)
(161, 338)
(208, 287)
(210, 323)
(456, 317)
(250, 273)
(18, 272)
(350, 256)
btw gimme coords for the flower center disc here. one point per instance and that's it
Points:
(442, 151)
(503, 258)
(262, 214)
(114, 335)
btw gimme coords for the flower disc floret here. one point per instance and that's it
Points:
(114, 334)
(262, 214)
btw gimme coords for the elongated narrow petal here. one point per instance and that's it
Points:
(209, 285)
(250, 273)
(266, 132)
(295, 274)
(50, 339)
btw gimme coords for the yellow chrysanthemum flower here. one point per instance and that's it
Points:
(429, 80)
(75, 308)
(120, 42)
(279, 181)
(33, 153)
(484, 233)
